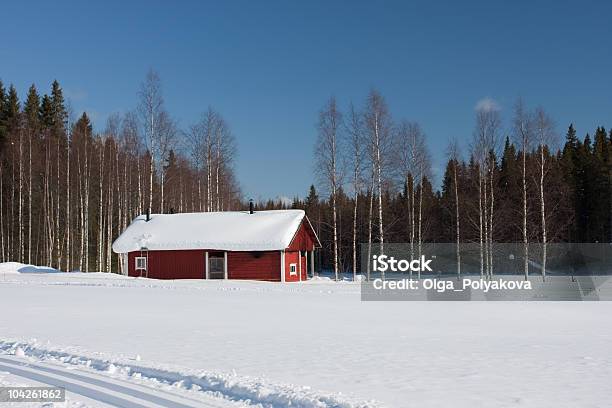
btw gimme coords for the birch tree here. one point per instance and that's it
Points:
(523, 135)
(20, 229)
(545, 136)
(355, 144)
(151, 112)
(326, 152)
(212, 148)
(454, 157)
(486, 138)
(411, 159)
(378, 126)
(32, 123)
(132, 142)
(166, 141)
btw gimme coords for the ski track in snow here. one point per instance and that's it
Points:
(103, 391)
(245, 391)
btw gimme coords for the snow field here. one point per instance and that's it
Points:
(313, 344)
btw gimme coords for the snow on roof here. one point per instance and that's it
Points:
(227, 231)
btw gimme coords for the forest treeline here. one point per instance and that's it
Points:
(66, 192)
(518, 182)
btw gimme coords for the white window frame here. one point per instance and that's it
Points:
(140, 258)
(293, 269)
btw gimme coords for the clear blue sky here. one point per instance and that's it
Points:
(268, 67)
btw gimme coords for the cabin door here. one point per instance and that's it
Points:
(216, 265)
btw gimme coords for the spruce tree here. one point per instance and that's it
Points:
(3, 109)
(12, 110)
(600, 187)
(508, 213)
(60, 114)
(32, 108)
(313, 198)
(46, 112)
(570, 165)
(447, 202)
(584, 191)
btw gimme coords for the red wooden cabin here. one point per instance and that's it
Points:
(274, 245)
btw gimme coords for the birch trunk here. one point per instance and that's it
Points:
(379, 177)
(11, 220)
(412, 221)
(420, 237)
(109, 220)
(457, 221)
(161, 186)
(543, 212)
(355, 238)
(81, 213)
(370, 214)
(480, 226)
(491, 222)
(20, 198)
(68, 243)
(1, 218)
(486, 226)
(86, 209)
(101, 154)
(30, 198)
(151, 185)
(57, 208)
(139, 206)
(525, 241)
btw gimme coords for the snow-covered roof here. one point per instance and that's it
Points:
(227, 231)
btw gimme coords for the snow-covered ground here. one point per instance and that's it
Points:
(146, 343)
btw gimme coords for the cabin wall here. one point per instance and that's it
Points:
(254, 265)
(190, 264)
(303, 240)
(293, 257)
(179, 264)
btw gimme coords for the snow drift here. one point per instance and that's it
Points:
(18, 267)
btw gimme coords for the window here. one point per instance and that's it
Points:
(141, 262)
(216, 265)
(293, 269)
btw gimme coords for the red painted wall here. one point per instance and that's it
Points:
(254, 265)
(304, 239)
(190, 264)
(182, 264)
(292, 257)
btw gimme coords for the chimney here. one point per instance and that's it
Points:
(251, 206)
(148, 214)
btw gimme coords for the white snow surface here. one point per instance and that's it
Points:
(227, 231)
(314, 344)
